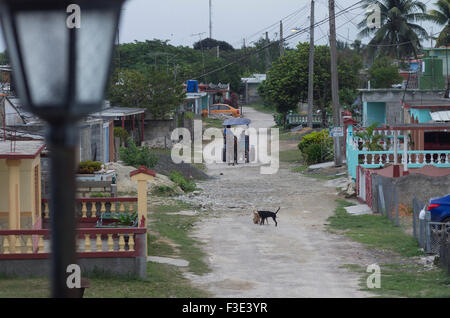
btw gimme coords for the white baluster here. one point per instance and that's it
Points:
(365, 159)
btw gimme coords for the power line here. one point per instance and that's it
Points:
(291, 36)
(274, 25)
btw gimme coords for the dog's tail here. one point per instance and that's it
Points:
(278, 210)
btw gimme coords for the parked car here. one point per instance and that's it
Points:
(440, 209)
(221, 109)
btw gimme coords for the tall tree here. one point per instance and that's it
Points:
(441, 16)
(287, 79)
(399, 35)
(151, 89)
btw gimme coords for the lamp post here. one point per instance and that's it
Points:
(61, 71)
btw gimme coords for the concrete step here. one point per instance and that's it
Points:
(166, 260)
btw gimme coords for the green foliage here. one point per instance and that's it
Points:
(279, 119)
(121, 133)
(315, 137)
(185, 185)
(209, 43)
(370, 141)
(89, 167)
(287, 79)
(316, 147)
(100, 195)
(374, 230)
(155, 90)
(399, 35)
(126, 219)
(347, 97)
(136, 157)
(383, 74)
(189, 115)
(163, 191)
(4, 58)
(317, 153)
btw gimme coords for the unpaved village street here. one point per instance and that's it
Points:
(299, 258)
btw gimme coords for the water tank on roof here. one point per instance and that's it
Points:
(192, 86)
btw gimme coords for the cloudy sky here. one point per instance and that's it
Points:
(184, 22)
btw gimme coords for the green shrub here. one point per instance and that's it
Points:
(100, 195)
(317, 153)
(136, 157)
(315, 137)
(189, 115)
(89, 166)
(279, 119)
(121, 133)
(317, 147)
(126, 219)
(185, 185)
(163, 191)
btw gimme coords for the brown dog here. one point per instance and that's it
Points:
(256, 217)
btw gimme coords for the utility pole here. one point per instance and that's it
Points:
(311, 68)
(267, 52)
(210, 19)
(334, 83)
(281, 39)
(218, 51)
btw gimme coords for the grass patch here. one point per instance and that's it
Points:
(299, 169)
(290, 156)
(406, 280)
(163, 281)
(375, 231)
(177, 228)
(163, 191)
(262, 108)
(303, 170)
(212, 123)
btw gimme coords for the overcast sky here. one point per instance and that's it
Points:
(181, 21)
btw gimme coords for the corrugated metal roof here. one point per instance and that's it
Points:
(442, 116)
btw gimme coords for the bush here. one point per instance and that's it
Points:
(100, 195)
(279, 119)
(315, 137)
(136, 157)
(317, 153)
(89, 167)
(163, 191)
(185, 185)
(317, 147)
(121, 133)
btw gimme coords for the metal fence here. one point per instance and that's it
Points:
(433, 237)
(388, 201)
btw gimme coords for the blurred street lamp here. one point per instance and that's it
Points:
(61, 73)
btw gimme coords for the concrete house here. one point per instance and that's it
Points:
(249, 88)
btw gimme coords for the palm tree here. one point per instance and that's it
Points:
(399, 36)
(441, 16)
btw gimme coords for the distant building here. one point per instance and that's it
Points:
(249, 88)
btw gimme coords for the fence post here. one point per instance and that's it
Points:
(414, 204)
(427, 232)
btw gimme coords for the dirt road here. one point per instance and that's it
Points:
(296, 259)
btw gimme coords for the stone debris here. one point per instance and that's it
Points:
(359, 209)
(125, 184)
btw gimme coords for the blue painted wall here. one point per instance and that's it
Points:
(374, 112)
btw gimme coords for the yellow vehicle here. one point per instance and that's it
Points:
(221, 109)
